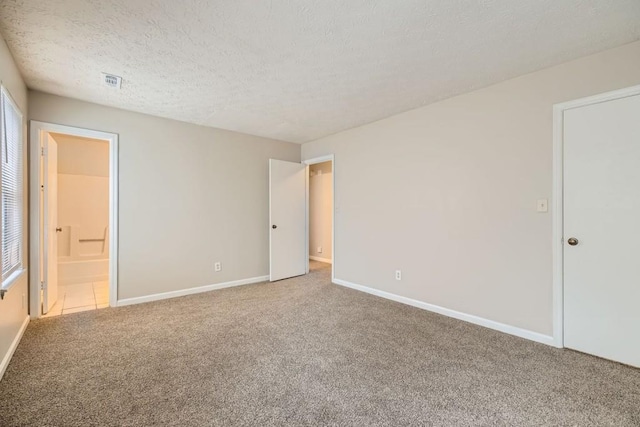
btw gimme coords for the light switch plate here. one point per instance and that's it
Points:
(543, 205)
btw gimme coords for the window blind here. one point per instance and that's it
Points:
(11, 166)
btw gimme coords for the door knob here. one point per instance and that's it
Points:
(572, 241)
(58, 230)
(274, 226)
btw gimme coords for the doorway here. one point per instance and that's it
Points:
(297, 235)
(597, 195)
(73, 220)
(320, 209)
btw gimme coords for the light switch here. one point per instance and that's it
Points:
(543, 205)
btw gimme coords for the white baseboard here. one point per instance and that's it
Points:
(317, 258)
(190, 291)
(508, 329)
(12, 349)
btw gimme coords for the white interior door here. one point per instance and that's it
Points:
(602, 214)
(287, 215)
(50, 223)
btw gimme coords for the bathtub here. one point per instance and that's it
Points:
(71, 272)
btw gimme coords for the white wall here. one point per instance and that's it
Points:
(83, 213)
(320, 209)
(83, 197)
(13, 309)
(189, 196)
(447, 193)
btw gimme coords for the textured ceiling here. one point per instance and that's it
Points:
(298, 70)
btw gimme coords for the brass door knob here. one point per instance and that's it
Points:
(572, 241)
(59, 230)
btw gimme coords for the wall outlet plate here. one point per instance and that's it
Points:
(217, 266)
(398, 275)
(319, 248)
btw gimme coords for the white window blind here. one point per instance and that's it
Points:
(11, 166)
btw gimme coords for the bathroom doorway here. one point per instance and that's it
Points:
(75, 220)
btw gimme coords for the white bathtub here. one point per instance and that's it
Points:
(71, 272)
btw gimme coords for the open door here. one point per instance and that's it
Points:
(287, 215)
(49, 246)
(601, 230)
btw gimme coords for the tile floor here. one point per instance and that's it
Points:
(80, 297)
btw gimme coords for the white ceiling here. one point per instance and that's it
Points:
(297, 70)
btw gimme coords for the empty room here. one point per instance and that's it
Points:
(341, 213)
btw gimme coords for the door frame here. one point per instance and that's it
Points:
(309, 162)
(557, 207)
(37, 128)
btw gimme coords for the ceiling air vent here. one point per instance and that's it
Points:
(112, 81)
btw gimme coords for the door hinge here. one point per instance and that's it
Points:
(42, 286)
(42, 151)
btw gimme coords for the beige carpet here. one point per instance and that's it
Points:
(301, 352)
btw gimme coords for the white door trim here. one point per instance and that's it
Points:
(557, 200)
(309, 162)
(36, 129)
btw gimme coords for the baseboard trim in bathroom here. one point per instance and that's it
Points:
(83, 279)
(320, 259)
(190, 291)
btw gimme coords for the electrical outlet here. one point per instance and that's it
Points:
(398, 275)
(319, 249)
(218, 266)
